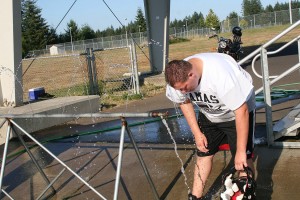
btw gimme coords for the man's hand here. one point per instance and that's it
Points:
(240, 160)
(201, 143)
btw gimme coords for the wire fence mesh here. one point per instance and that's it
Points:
(141, 38)
(59, 75)
(69, 75)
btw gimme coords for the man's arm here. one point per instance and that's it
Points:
(242, 129)
(190, 116)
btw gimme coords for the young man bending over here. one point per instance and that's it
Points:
(225, 96)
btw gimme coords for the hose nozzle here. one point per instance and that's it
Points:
(159, 114)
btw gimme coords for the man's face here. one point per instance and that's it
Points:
(189, 85)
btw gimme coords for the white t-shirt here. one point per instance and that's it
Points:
(223, 88)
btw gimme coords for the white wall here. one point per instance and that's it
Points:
(10, 53)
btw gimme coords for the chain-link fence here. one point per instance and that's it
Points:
(59, 75)
(111, 72)
(262, 20)
(118, 41)
(114, 71)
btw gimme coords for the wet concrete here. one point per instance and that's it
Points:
(277, 172)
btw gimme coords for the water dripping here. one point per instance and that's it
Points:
(176, 152)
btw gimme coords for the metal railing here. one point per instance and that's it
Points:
(267, 83)
(13, 126)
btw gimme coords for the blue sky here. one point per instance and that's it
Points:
(96, 14)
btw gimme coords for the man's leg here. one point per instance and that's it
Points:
(202, 170)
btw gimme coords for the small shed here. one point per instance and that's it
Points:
(57, 49)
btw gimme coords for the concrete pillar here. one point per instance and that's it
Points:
(11, 93)
(157, 17)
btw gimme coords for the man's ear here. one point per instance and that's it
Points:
(190, 74)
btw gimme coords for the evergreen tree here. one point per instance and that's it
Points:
(201, 20)
(251, 7)
(232, 15)
(212, 20)
(86, 32)
(193, 22)
(34, 27)
(109, 31)
(52, 36)
(140, 21)
(232, 19)
(277, 6)
(72, 28)
(269, 8)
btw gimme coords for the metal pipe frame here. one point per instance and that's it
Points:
(274, 52)
(119, 166)
(120, 157)
(84, 115)
(8, 118)
(139, 155)
(50, 153)
(267, 95)
(4, 157)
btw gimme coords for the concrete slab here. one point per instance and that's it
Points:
(61, 105)
(276, 173)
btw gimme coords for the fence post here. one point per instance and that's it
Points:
(94, 73)
(135, 69)
(90, 72)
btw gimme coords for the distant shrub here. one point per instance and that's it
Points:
(177, 40)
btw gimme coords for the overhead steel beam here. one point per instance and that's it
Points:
(157, 14)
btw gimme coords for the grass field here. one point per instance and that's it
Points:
(251, 38)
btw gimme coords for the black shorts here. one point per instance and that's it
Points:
(222, 133)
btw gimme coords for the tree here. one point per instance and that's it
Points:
(140, 21)
(52, 36)
(34, 27)
(269, 8)
(232, 15)
(251, 7)
(86, 32)
(212, 20)
(232, 19)
(72, 28)
(194, 20)
(201, 20)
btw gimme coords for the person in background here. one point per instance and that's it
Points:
(224, 93)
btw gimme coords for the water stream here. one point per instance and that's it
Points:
(176, 152)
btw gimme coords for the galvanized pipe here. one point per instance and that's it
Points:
(4, 156)
(85, 115)
(139, 155)
(269, 43)
(57, 159)
(120, 156)
(271, 53)
(287, 72)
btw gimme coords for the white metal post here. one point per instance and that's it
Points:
(290, 9)
(118, 174)
(267, 96)
(4, 156)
